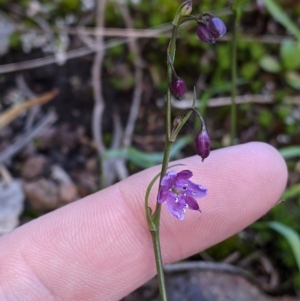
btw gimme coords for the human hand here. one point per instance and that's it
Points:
(99, 248)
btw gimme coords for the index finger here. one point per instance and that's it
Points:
(100, 248)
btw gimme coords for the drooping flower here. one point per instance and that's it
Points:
(177, 84)
(180, 193)
(202, 142)
(216, 27)
(178, 87)
(203, 33)
(210, 28)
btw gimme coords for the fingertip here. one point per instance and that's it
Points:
(272, 169)
(255, 162)
(243, 183)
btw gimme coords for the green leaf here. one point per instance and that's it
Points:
(291, 236)
(70, 5)
(289, 52)
(270, 64)
(291, 192)
(290, 152)
(279, 14)
(293, 79)
(15, 40)
(146, 160)
(249, 70)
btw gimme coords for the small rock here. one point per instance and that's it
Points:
(205, 286)
(87, 183)
(42, 194)
(67, 189)
(92, 164)
(67, 192)
(34, 167)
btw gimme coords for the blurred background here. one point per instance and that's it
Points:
(82, 93)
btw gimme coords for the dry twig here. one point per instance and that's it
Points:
(23, 140)
(11, 113)
(127, 35)
(137, 93)
(226, 101)
(29, 93)
(72, 54)
(96, 81)
(108, 173)
(138, 79)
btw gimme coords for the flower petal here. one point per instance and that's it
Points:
(216, 27)
(192, 203)
(189, 188)
(176, 207)
(162, 194)
(196, 190)
(169, 179)
(184, 175)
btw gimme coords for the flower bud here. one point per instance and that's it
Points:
(203, 34)
(210, 28)
(202, 141)
(216, 27)
(187, 9)
(178, 87)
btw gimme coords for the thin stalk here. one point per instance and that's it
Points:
(164, 167)
(155, 231)
(159, 265)
(168, 143)
(233, 127)
(172, 48)
(154, 220)
(170, 55)
(166, 158)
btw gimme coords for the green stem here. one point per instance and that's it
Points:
(159, 265)
(233, 78)
(172, 48)
(171, 54)
(166, 158)
(154, 220)
(155, 230)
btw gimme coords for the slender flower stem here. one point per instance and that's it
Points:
(233, 77)
(159, 265)
(172, 130)
(159, 262)
(155, 231)
(168, 146)
(172, 46)
(154, 219)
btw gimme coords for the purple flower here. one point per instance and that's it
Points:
(180, 193)
(178, 87)
(202, 141)
(203, 34)
(216, 27)
(210, 28)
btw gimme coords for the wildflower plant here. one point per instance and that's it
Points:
(176, 189)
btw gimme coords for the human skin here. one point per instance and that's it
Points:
(99, 248)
